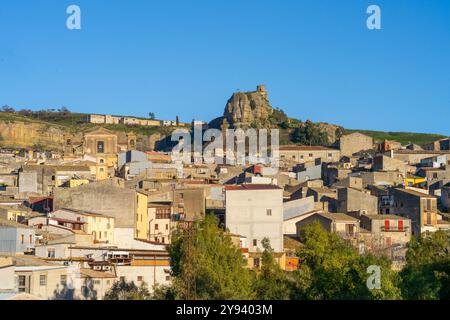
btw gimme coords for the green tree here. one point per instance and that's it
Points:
(426, 275)
(271, 282)
(309, 133)
(206, 265)
(330, 268)
(123, 290)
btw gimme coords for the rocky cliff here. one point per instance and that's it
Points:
(248, 109)
(48, 136)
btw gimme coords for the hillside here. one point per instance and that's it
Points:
(49, 131)
(403, 137)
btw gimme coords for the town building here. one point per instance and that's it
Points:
(255, 212)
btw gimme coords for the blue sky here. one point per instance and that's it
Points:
(317, 59)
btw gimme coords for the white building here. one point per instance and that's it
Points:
(16, 238)
(255, 211)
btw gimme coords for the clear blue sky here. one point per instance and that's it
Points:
(316, 57)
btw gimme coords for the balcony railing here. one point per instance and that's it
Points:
(394, 229)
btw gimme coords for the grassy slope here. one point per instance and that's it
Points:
(73, 122)
(402, 137)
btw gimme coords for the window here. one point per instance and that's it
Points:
(330, 155)
(255, 242)
(167, 227)
(435, 175)
(22, 239)
(311, 155)
(100, 146)
(122, 279)
(51, 253)
(256, 263)
(42, 280)
(102, 161)
(163, 240)
(102, 170)
(97, 282)
(269, 212)
(167, 278)
(105, 234)
(63, 280)
(350, 229)
(156, 227)
(22, 283)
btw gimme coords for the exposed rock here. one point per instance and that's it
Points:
(248, 109)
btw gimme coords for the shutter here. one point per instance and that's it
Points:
(400, 225)
(386, 225)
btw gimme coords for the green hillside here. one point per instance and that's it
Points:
(403, 137)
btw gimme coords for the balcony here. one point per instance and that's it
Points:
(394, 229)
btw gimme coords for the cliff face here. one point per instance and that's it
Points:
(24, 134)
(246, 109)
(27, 134)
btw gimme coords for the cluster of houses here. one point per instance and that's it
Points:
(73, 224)
(131, 121)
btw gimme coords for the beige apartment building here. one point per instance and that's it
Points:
(100, 226)
(301, 154)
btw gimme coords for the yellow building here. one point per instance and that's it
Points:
(142, 221)
(102, 144)
(411, 181)
(100, 226)
(77, 182)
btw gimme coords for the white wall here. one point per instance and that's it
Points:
(246, 215)
(150, 275)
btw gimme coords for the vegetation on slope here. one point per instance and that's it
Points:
(403, 137)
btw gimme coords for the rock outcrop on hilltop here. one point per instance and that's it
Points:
(248, 109)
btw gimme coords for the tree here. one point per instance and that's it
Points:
(330, 268)
(271, 282)
(427, 271)
(310, 134)
(177, 120)
(123, 290)
(7, 108)
(152, 115)
(206, 265)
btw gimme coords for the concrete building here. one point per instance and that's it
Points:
(344, 225)
(386, 230)
(161, 222)
(110, 198)
(37, 179)
(16, 238)
(301, 154)
(355, 142)
(255, 212)
(420, 207)
(294, 211)
(384, 163)
(100, 226)
(350, 199)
